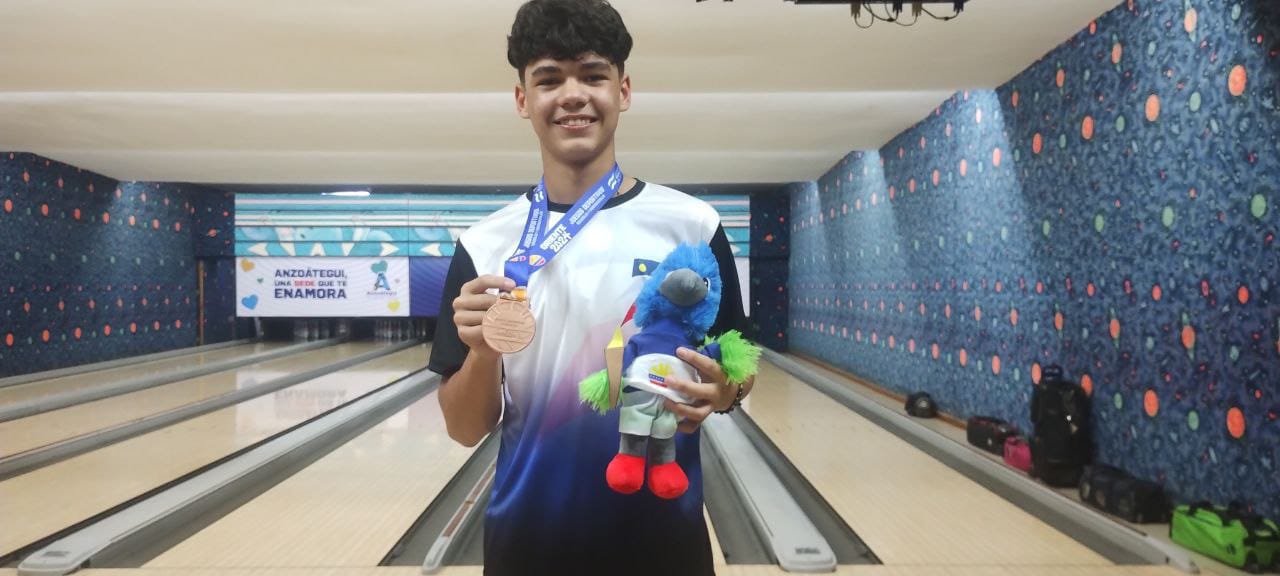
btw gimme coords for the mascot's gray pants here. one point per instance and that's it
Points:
(643, 416)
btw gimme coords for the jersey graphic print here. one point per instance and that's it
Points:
(550, 507)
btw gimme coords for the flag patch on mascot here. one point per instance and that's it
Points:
(658, 374)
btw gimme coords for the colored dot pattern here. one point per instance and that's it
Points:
(1125, 254)
(74, 272)
(770, 250)
(1235, 422)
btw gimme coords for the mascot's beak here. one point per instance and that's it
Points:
(683, 287)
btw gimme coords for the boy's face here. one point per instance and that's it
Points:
(573, 105)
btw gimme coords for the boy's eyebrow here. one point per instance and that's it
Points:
(593, 65)
(587, 66)
(545, 69)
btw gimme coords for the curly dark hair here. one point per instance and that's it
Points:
(566, 29)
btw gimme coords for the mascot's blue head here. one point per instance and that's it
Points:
(685, 287)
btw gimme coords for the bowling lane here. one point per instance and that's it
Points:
(908, 507)
(49, 499)
(31, 390)
(736, 570)
(42, 429)
(346, 509)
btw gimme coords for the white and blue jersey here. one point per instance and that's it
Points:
(551, 511)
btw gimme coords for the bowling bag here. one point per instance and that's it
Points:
(1058, 472)
(1017, 453)
(1059, 403)
(1117, 492)
(989, 433)
(1062, 443)
(921, 405)
(1230, 535)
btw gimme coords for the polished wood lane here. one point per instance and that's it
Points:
(49, 499)
(720, 570)
(31, 390)
(50, 427)
(909, 508)
(347, 509)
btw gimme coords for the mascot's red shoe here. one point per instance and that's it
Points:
(626, 473)
(668, 480)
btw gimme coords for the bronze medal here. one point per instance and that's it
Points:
(508, 326)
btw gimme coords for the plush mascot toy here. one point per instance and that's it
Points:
(675, 309)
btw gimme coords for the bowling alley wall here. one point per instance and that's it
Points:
(94, 269)
(1112, 209)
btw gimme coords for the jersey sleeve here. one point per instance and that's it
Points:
(732, 315)
(447, 350)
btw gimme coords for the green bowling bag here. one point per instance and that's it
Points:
(1230, 535)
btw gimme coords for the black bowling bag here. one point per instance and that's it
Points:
(1062, 444)
(989, 433)
(1117, 492)
(921, 405)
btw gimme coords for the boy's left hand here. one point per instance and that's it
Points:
(712, 394)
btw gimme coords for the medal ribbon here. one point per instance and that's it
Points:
(537, 247)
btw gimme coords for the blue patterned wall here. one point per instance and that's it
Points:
(1112, 209)
(770, 250)
(214, 229)
(93, 269)
(214, 236)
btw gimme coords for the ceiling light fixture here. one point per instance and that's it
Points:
(348, 193)
(865, 12)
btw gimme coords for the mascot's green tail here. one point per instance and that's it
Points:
(739, 358)
(594, 390)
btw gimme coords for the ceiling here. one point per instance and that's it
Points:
(419, 92)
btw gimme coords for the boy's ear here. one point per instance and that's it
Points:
(625, 87)
(521, 105)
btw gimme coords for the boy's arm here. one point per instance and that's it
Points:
(471, 394)
(471, 398)
(732, 314)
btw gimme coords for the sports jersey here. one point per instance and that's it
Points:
(551, 511)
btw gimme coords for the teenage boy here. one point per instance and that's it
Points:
(551, 510)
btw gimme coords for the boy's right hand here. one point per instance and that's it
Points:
(469, 309)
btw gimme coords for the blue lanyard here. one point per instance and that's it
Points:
(537, 248)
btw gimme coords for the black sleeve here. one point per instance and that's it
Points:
(731, 316)
(447, 350)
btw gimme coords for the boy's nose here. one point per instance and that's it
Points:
(573, 96)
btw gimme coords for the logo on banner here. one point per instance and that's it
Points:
(537, 260)
(380, 283)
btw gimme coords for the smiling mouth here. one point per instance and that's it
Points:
(576, 122)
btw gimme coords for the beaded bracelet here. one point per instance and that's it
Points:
(737, 401)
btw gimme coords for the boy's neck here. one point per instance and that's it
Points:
(567, 183)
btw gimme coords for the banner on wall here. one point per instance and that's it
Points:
(311, 287)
